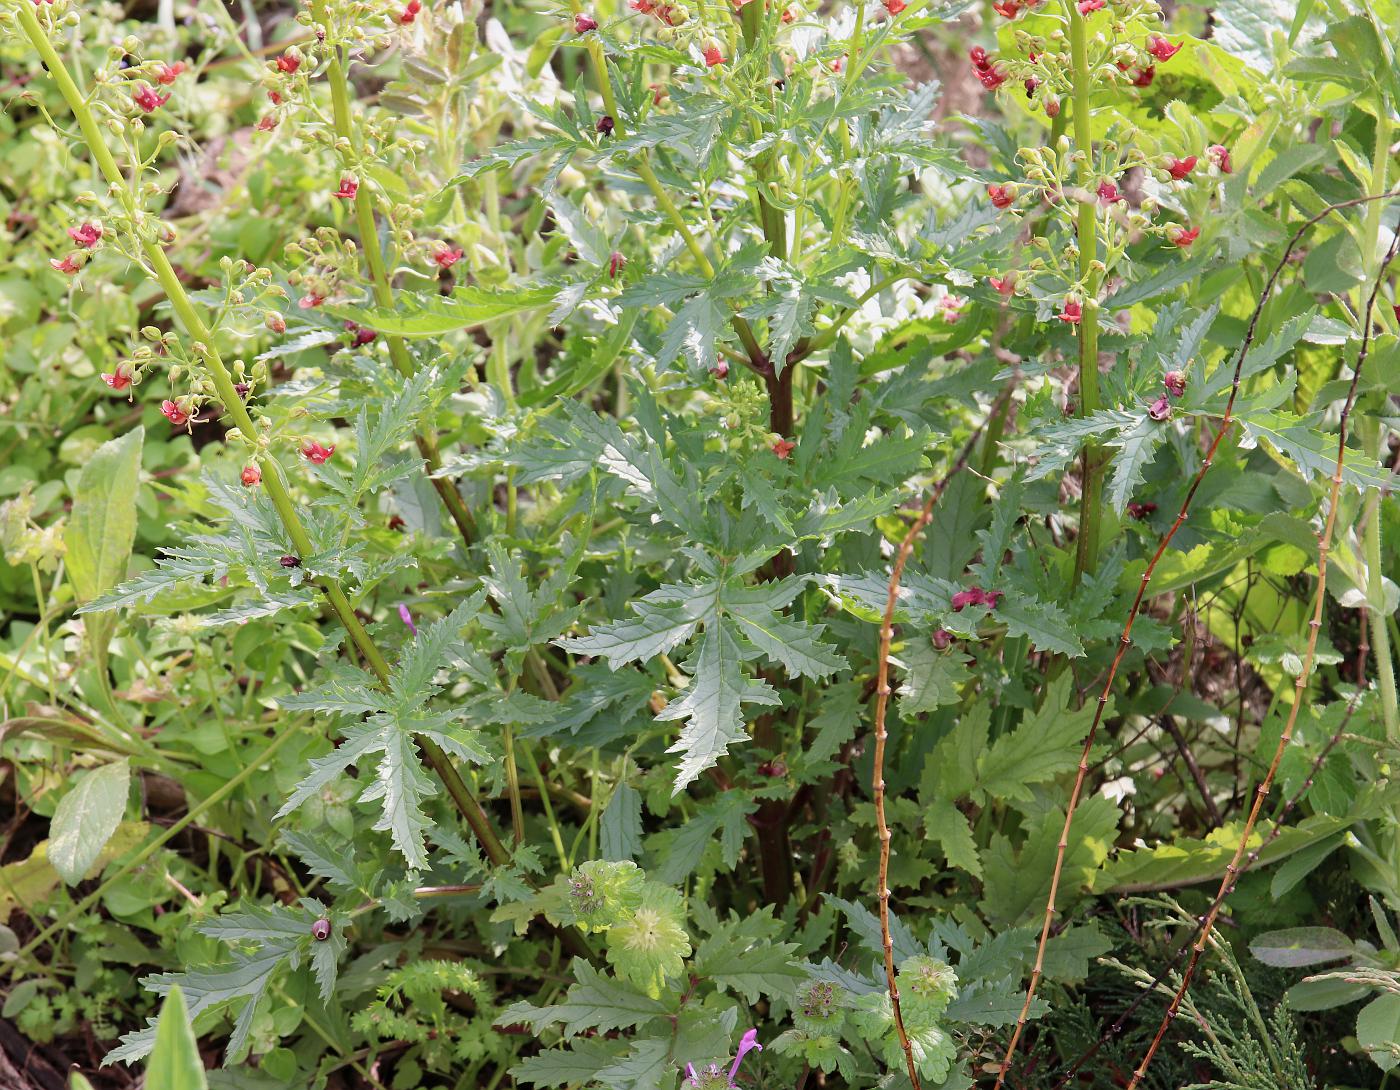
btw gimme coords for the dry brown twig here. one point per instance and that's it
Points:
(1125, 639)
(1324, 544)
(882, 699)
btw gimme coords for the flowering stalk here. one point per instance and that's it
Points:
(271, 475)
(383, 290)
(1324, 544)
(1087, 231)
(1125, 638)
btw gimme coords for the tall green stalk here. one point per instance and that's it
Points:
(195, 327)
(383, 289)
(1087, 237)
(1372, 431)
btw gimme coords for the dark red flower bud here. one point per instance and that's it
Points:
(290, 561)
(1141, 511)
(942, 639)
(1175, 382)
(321, 929)
(605, 125)
(1145, 77)
(1160, 409)
(616, 263)
(584, 23)
(250, 476)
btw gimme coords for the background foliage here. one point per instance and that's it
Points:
(452, 464)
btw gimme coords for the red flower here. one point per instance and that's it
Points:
(410, 11)
(783, 447)
(1141, 511)
(1175, 382)
(1052, 107)
(1162, 49)
(1108, 193)
(120, 378)
(991, 78)
(266, 123)
(1179, 168)
(712, 54)
(658, 92)
(359, 335)
(250, 476)
(1007, 9)
(942, 639)
(148, 99)
(1219, 154)
(169, 73)
(584, 23)
(1395, 309)
(1145, 77)
(68, 265)
(1005, 285)
(87, 235)
(604, 125)
(1087, 6)
(1000, 196)
(1181, 236)
(312, 298)
(275, 322)
(172, 412)
(1160, 409)
(288, 63)
(1072, 312)
(894, 7)
(447, 256)
(275, 97)
(313, 451)
(348, 188)
(720, 370)
(952, 307)
(616, 263)
(979, 58)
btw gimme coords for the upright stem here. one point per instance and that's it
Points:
(1087, 230)
(275, 487)
(1372, 431)
(383, 290)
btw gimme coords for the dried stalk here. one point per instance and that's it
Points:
(1324, 544)
(882, 700)
(1124, 640)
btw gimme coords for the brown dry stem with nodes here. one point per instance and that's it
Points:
(882, 700)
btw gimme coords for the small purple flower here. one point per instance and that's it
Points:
(1160, 409)
(407, 618)
(712, 1077)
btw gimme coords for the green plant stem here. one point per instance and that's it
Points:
(384, 292)
(664, 202)
(1087, 231)
(273, 484)
(1372, 431)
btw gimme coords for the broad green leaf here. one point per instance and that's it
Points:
(102, 525)
(596, 1002)
(174, 1063)
(1378, 1030)
(86, 818)
(949, 828)
(1294, 947)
